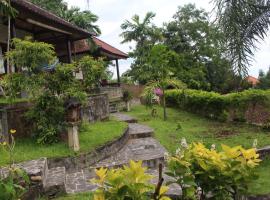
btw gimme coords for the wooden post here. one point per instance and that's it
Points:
(118, 73)
(69, 54)
(12, 36)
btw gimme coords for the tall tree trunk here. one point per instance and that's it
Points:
(164, 105)
(8, 43)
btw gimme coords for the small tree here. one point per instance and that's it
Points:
(93, 70)
(161, 60)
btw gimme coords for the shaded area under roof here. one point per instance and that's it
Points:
(35, 20)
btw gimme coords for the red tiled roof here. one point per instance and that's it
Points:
(252, 80)
(82, 46)
(108, 48)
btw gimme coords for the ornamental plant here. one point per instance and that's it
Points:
(13, 184)
(210, 174)
(127, 183)
(93, 70)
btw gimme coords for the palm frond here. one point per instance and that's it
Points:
(244, 23)
(6, 9)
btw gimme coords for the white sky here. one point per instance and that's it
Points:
(112, 14)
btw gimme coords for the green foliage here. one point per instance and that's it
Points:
(48, 115)
(14, 184)
(131, 182)
(127, 96)
(264, 80)
(31, 56)
(215, 105)
(222, 174)
(13, 84)
(244, 23)
(93, 70)
(48, 90)
(83, 19)
(6, 9)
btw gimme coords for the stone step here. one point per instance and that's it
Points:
(124, 118)
(139, 131)
(80, 181)
(147, 150)
(55, 181)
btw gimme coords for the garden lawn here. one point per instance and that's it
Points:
(194, 128)
(91, 136)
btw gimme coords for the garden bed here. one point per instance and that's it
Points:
(91, 136)
(196, 128)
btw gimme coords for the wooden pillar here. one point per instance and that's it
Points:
(12, 36)
(69, 54)
(12, 29)
(118, 73)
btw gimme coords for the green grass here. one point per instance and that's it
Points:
(82, 196)
(262, 184)
(4, 101)
(91, 136)
(196, 128)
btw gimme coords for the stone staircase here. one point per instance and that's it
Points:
(138, 144)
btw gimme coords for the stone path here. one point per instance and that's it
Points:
(139, 145)
(124, 118)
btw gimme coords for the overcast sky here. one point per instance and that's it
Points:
(112, 14)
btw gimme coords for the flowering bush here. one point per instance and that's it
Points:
(207, 173)
(127, 183)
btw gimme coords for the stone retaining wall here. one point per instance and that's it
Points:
(97, 108)
(13, 116)
(85, 160)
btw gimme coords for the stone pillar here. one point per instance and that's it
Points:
(73, 136)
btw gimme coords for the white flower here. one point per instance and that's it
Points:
(255, 143)
(178, 151)
(184, 143)
(213, 147)
(166, 156)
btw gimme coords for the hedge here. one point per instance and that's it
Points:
(215, 105)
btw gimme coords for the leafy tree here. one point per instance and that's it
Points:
(197, 42)
(244, 23)
(264, 80)
(160, 61)
(93, 70)
(145, 34)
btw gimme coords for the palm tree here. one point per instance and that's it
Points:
(138, 31)
(244, 23)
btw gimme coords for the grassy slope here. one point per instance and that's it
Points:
(91, 136)
(196, 128)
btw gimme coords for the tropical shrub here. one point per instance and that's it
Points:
(215, 105)
(210, 174)
(30, 55)
(127, 183)
(92, 69)
(48, 88)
